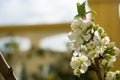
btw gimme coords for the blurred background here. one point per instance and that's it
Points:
(33, 35)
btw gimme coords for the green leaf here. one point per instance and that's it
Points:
(81, 9)
(78, 8)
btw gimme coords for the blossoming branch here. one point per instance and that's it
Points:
(91, 47)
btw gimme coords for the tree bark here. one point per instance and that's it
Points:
(5, 69)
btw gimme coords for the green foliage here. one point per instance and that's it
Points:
(110, 51)
(82, 11)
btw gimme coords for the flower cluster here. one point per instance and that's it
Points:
(109, 56)
(113, 75)
(89, 41)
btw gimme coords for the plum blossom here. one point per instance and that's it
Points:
(89, 41)
(110, 76)
(80, 64)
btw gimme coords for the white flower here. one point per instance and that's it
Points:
(83, 49)
(104, 62)
(91, 45)
(72, 45)
(75, 63)
(105, 40)
(78, 41)
(86, 37)
(113, 59)
(81, 62)
(93, 54)
(117, 51)
(89, 41)
(100, 49)
(108, 62)
(86, 25)
(80, 24)
(75, 26)
(110, 76)
(75, 53)
(83, 68)
(72, 36)
(85, 63)
(85, 60)
(96, 36)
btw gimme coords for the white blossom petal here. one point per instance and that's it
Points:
(117, 51)
(96, 36)
(110, 76)
(83, 68)
(86, 37)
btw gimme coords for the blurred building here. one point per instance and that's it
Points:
(108, 16)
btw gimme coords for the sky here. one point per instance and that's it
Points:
(60, 41)
(17, 12)
(23, 43)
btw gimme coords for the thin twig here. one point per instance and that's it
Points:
(5, 69)
(98, 72)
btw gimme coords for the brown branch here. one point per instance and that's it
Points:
(5, 69)
(98, 72)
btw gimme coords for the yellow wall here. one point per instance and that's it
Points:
(108, 17)
(35, 32)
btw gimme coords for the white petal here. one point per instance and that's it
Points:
(86, 37)
(79, 41)
(75, 64)
(87, 63)
(75, 26)
(96, 36)
(113, 59)
(106, 40)
(117, 51)
(83, 57)
(83, 68)
(91, 45)
(104, 61)
(75, 54)
(93, 54)
(72, 36)
(83, 48)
